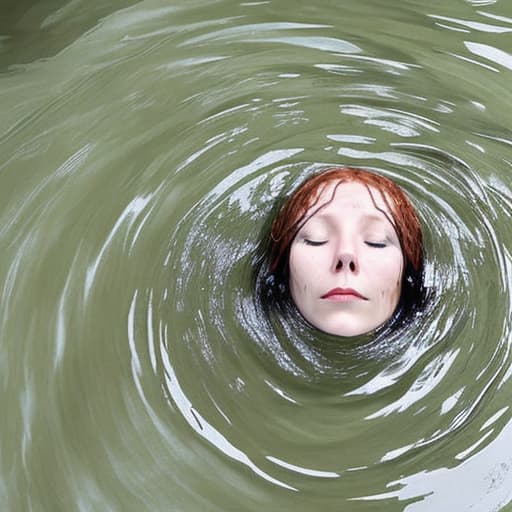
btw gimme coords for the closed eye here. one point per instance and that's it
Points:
(379, 245)
(314, 243)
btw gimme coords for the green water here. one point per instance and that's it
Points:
(142, 148)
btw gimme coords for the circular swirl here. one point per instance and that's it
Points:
(142, 165)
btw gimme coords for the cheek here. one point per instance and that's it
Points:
(298, 268)
(304, 267)
(387, 273)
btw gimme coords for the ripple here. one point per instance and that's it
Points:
(142, 164)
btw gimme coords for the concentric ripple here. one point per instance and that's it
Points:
(142, 164)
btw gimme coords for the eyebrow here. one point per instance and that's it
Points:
(369, 216)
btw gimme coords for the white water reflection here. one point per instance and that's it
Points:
(482, 482)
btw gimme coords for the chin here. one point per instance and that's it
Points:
(347, 328)
(345, 332)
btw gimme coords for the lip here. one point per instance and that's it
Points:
(343, 295)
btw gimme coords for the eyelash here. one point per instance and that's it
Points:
(315, 243)
(378, 245)
(318, 243)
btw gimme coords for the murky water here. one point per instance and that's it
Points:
(143, 146)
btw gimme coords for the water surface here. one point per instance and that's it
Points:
(143, 146)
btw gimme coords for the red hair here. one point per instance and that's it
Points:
(292, 214)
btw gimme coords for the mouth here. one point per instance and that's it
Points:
(343, 295)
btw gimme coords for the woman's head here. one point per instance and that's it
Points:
(347, 248)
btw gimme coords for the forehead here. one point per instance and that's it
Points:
(351, 194)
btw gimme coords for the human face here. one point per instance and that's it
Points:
(346, 262)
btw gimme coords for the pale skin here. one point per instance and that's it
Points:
(346, 263)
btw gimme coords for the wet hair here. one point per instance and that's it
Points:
(272, 269)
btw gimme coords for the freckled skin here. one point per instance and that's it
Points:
(347, 244)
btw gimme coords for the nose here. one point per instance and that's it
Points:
(347, 262)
